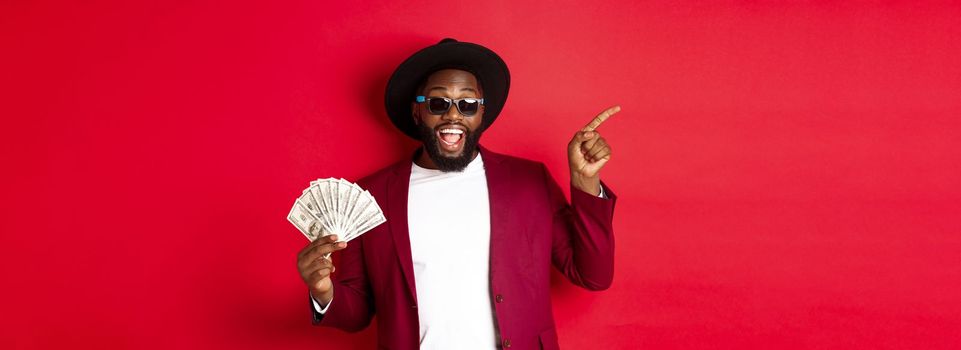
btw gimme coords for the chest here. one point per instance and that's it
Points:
(449, 218)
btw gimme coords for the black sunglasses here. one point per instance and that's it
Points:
(440, 105)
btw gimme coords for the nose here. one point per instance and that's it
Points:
(452, 114)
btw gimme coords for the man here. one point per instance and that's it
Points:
(464, 259)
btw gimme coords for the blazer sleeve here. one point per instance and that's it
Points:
(583, 235)
(352, 307)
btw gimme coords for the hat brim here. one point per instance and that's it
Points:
(487, 66)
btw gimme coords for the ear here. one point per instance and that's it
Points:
(414, 113)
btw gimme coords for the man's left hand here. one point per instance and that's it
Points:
(588, 152)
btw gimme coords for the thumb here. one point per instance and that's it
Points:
(576, 141)
(582, 136)
(579, 138)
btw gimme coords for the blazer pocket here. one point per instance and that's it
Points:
(548, 339)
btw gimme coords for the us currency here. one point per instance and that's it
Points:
(316, 190)
(310, 202)
(335, 206)
(369, 217)
(304, 221)
(352, 209)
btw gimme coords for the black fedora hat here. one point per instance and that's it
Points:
(487, 66)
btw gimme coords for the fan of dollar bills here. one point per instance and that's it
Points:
(335, 206)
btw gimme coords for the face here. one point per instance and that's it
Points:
(450, 139)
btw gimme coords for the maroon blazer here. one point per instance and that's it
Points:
(532, 228)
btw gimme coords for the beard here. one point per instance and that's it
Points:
(443, 162)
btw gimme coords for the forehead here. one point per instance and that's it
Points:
(452, 77)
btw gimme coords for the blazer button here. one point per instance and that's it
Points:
(507, 343)
(499, 298)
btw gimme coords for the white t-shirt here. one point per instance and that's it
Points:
(449, 220)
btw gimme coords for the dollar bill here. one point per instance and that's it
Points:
(304, 221)
(335, 206)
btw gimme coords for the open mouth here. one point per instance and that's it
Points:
(451, 138)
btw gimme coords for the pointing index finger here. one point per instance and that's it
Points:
(600, 118)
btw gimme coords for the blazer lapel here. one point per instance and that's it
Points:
(499, 197)
(397, 191)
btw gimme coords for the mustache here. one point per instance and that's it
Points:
(441, 126)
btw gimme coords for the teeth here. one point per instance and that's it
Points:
(451, 131)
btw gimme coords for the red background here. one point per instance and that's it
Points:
(788, 173)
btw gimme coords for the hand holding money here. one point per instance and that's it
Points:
(330, 206)
(315, 266)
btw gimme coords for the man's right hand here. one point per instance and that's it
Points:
(315, 267)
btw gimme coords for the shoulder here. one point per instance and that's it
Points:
(516, 167)
(383, 176)
(522, 180)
